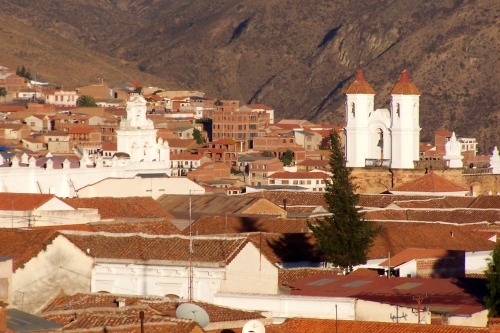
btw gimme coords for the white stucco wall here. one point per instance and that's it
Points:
(6, 279)
(250, 272)
(375, 311)
(25, 219)
(408, 269)
(476, 262)
(61, 267)
(479, 319)
(156, 279)
(65, 182)
(55, 204)
(141, 187)
(288, 306)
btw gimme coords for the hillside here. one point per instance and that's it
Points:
(293, 57)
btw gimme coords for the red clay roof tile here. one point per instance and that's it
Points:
(359, 85)
(404, 86)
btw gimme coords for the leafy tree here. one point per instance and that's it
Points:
(218, 103)
(3, 92)
(287, 157)
(138, 90)
(492, 300)
(86, 100)
(197, 136)
(344, 237)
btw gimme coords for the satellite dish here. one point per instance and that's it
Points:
(254, 326)
(193, 312)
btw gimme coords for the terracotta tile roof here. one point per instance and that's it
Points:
(316, 163)
(292, 198)
(110, 146)
(395, 237)
(458, 216)
(384, 200)
(80, 130)
(159, 305)
(23, 201)
(359, 85)
(124, 318)
(281, 248)
(464, 294)
(155, 247)
(164, 227)
(404, 86)
(486, 201)
(430, 182)
(179, 205)
(213, 225)
(415, 253)
(24, 245)
(298, 325)
(290, 275)
(113, 208)
(317, 199)
(443, 202)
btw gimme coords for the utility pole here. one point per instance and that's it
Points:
(190, 271)
(419, 298)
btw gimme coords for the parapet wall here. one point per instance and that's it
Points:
(378, 180)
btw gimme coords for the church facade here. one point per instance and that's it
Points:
(382, 137)
(139, 152)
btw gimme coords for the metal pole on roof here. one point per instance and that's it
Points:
(389, 265)
(336, 320)
(190, 272)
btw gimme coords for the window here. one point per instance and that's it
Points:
(285, 182)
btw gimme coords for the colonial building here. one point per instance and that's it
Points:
(382, 137)
(138, 151)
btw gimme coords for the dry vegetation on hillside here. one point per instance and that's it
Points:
(295, 58)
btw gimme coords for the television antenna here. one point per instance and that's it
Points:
(253, 326)
(193, 312)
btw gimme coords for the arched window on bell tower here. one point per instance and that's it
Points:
(353, 109)
(398, 110)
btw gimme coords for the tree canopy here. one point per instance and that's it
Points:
(3, 92)
(86, 100)
(287, 157)
(197, 136)
(492, 299)
(344, 237)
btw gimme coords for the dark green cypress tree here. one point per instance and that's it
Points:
(344, 237)
(22, 71)
(492, 300)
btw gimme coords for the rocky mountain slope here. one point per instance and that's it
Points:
(294, 55)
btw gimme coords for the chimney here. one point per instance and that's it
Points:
(120, 302)
(284, 204)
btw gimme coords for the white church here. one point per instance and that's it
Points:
(139, 152)
(382, 137)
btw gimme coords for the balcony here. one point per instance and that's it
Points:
(377, 163)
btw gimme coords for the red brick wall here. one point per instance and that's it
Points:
(446, 267)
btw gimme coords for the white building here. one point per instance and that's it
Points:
(138, 152)
(310, 181)
(67, 98)
(382, 136)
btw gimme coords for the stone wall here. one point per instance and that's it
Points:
(378, 180)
